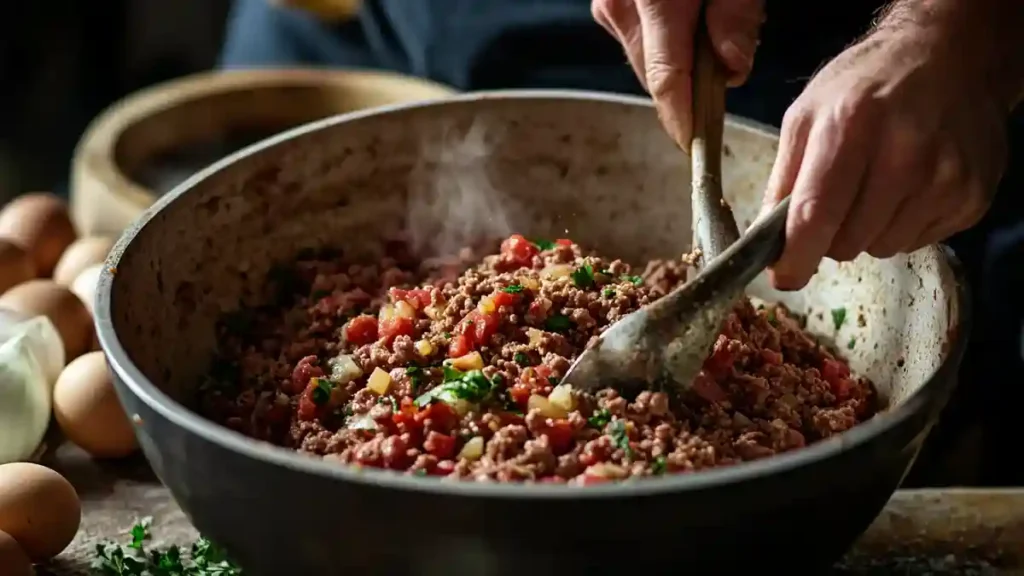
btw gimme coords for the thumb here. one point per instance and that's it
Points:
(735, 29)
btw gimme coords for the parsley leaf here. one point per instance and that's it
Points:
(620, 436)
(583, 277)
(634, 280)
(599, 418)
(543, 244)
(471, 386)
(521, 359)
(415, 374)
(513, 289)
(659, 465)
(557, 323)
(838, 317)
(608, 293)
(322, 392)
(203, 559)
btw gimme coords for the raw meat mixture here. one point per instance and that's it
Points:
(452, 368)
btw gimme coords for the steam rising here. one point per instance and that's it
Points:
(452, 201)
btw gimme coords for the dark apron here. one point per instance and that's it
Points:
(475, 45)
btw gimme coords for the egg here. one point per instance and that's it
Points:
(39, 508)
(42, 297)
(84, 285)
(16, 265)
(81, 254)
(87, 411)
(13, 560)
(39, 223)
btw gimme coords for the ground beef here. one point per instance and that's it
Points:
(451, 368)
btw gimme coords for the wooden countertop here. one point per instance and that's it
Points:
(920, 531)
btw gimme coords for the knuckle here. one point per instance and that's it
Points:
(663, 78)
(853, 109)
(814, 212)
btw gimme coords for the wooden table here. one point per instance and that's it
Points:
(920, 532)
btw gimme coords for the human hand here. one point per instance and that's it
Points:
(894, 145)
(658, 36)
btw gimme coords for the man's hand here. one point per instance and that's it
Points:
(658, 38)
(896, 144)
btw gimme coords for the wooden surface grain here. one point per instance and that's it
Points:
(940, 531)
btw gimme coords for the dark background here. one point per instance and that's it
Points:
(64, 61)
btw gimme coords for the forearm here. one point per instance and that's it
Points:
(984, 38)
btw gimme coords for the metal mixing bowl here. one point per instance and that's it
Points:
(592, 167)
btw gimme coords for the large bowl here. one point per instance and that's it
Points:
(594, 167)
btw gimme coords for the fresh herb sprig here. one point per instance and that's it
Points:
(204, 558)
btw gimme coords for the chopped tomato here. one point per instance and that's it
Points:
(833, 370)
(484, 326)
(505, 299)
(361, 330)
(520, 394)
(591, 479)
(563, 242)
(443, 468)
(308, 410)
(706, 387)
(440, 414)
(304, 370)
(459, 346)
(518, 251)
(560, 434)
(391, 328)
(395, 452)
(418, 298)
(439, 445)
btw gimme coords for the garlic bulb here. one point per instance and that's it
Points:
(31, 358)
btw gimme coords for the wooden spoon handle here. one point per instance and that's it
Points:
(714, 227)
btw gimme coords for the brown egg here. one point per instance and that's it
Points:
(84, 285)
(39, 508)
(39, 223)
(81, 254)
(13, 560)
(16, 266)
(42, 297)
(87, 409)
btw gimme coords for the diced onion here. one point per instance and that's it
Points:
(546, 408)
(405, 310)
(387, 312)
(471, 361)
(535, 336)
(424, 347)
(556, 271)
(343, 369)
(606, 470)
(562, 397)
(379, 381)
(432, 312)
(473, 449)
(462, 407)
(530, 284)
(487, 305)
(361, 422)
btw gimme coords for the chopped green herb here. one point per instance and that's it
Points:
(204, 558)
(608, 293)
(447, 335)
(521, 359)
(513, 289)
(472, 386)
(583, 277)
(838, 317)
(659, 465)
(554, 380)
(451, 374)
(420, 472)
(634, 280)
(322, 392)
(599, 418)
(557, 323)
(388, 400)
(851, 344)
(415, 374)
(621, 437)
(543, 244)
(772, 319)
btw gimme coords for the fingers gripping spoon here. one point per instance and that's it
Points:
(664, 345)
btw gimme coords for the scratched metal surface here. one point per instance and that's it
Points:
(964, 532)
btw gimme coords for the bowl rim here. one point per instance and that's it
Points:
(939, 385)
